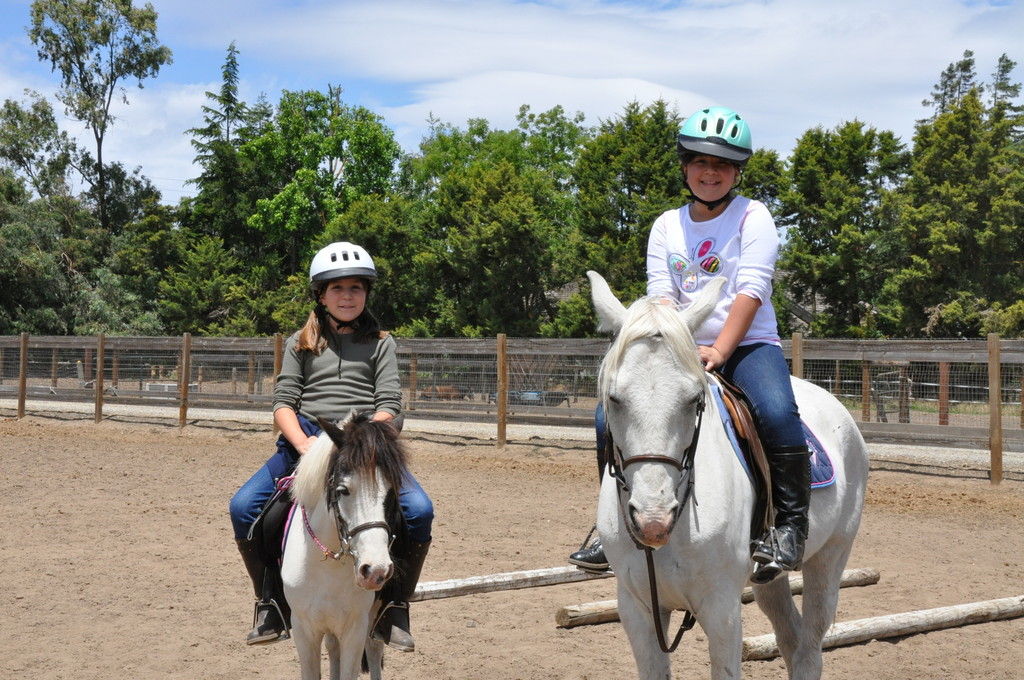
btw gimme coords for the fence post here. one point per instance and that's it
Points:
(98, 383)
(278, 361)
(186, 370)
(413, 370)
(995, 410)
(53, 370)
(22, 374)
(502, 396)
(798, 355)
(904, 394)
(943, 393)
(865, 391)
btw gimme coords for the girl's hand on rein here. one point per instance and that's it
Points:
(710, 356)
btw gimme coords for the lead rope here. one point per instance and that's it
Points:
(688, 618)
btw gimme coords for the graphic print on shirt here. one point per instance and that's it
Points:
(703, 261)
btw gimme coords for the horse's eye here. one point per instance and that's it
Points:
(344, 490)
(614, 399)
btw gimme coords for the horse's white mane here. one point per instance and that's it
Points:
(645, 318)
(308, 488)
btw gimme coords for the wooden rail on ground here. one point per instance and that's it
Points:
(897, 625)
(606, 611)
(512, 580)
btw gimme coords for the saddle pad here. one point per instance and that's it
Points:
(822, 473)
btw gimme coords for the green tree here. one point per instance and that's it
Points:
(199, 294)
(228, 186)
(834, 208)
(95, 45)
(960, 220)
(318, 156)
(626, 176)
(33, 145)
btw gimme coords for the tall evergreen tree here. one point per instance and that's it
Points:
(836, 251)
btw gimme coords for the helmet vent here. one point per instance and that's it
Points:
(334, 257)
(704, 125)
(344, 256)
(734, 132)
(719, 126)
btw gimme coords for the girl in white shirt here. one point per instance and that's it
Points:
(721, 233)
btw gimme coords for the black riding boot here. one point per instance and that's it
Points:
(590, 556)
(783, 548)
(268, 620)
(392, 626)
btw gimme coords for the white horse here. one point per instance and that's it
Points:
(337, 551)
(654, 387)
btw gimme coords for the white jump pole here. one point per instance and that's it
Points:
(896, 625)
(512, 580)
(606, 611)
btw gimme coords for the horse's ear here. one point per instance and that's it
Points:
(332, 430)
(702, 307)
(610, 312)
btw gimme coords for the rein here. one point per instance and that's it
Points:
(616, 468)
(345, 536)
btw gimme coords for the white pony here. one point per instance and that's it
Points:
(653, 388)
(337, 551)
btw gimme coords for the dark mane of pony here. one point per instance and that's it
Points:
(367, 447)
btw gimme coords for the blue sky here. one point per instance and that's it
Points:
(786, 65)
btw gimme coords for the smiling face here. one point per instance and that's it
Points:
(709, 177)
(345, 299)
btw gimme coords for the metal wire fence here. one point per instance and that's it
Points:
(896, 389)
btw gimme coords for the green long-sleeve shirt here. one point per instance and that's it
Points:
(347, 375)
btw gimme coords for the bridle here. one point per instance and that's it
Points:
(346, 536)
(617, 465)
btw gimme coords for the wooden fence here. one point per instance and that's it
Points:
(962, 393)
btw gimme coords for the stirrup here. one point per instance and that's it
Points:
(257, 636)
(387, 635)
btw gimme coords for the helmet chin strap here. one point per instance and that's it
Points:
(711, 205)
(321, 310)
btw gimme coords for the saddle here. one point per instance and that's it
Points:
(745, 426)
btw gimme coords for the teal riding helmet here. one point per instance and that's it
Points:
(716, 131)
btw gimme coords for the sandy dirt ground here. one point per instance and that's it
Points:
(117, 561)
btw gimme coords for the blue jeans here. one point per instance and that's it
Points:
(249, 500)
(760, 370)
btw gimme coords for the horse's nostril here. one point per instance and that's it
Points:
(364, 571)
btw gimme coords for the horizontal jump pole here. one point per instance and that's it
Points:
(512, 580)
(606, 611)
(897, 625)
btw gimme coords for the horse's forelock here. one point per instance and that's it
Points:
(647, 318)
(370, 446)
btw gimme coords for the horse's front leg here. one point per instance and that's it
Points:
(348, 653)
(722, 624)
(307, 646)
(636, 617)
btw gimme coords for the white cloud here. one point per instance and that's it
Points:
(787, 65)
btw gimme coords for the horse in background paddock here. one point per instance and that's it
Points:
(345, 491)
(654, 390)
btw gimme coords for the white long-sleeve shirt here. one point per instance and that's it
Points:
(741, 244)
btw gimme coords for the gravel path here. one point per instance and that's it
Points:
(923, 459)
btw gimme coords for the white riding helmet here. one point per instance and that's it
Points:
(339, 260)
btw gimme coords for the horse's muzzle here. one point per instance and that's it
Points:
(652, 529)
(373, 577)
